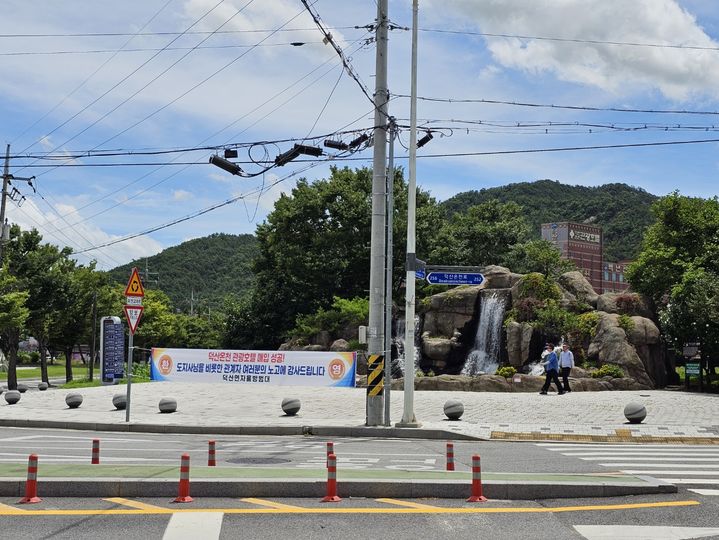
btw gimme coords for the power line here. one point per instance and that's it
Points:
(116, 51)
(143, 34)
(551, 106)
(89, 77)
(575, 40)
(198, 213)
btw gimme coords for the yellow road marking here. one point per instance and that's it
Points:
(10, 509)
(270, 504)
(340, 510)
(138, 505)
(408, 504)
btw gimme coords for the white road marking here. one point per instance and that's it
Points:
(640, 532)
(630, 454)
(192, 525)
(625, 458)
(708, 492)
(664, 463)
(666, 471)
(637, 446)
(84, 438)
(707, 481)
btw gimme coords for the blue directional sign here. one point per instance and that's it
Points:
(455, 278)
(420, 274)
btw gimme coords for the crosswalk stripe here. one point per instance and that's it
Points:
(663, 464)
(669, 471)
(206, 525)
(707, 481)
(629, 454)
(637, 446)
(709, 492)
(643, 532)
(625, 458)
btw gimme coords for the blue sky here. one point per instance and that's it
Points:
(64, 92)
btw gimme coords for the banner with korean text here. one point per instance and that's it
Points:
(285, 368)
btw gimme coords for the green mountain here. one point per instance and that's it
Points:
(622, 211)
(207, 268)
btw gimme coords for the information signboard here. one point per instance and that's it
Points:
(692, 368)
(112, 349)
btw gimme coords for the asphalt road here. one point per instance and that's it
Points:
(71, 446)
(652, 517)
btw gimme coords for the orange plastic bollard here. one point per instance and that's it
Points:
(31, 484)
(211, 462)
(450, 456)
(331, 480)
(476, 481)
(95, 452)
(330, 450)
(183, 495)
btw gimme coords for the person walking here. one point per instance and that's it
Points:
(566, 363)
(551, 366)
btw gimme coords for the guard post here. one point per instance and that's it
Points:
(375, 389)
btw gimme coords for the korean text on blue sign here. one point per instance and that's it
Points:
(289, 368)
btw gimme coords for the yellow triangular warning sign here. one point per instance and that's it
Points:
(134, 286)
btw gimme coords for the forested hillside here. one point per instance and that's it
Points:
(622, 211)
(212, 267)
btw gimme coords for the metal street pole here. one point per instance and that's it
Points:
(375, 341)
(408, 417)
(129, 375)
(5, 180)
(388, 278)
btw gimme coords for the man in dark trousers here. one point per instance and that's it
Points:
(551, 366)
(566, 363)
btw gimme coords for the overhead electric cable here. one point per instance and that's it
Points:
(89, 77)
(551, 106)
(186, 33)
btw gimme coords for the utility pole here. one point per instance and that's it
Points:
(6, 177)
(388, 278)
(375, 341)
(408, 418)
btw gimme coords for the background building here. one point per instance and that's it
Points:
(582, 244)
(613, 277)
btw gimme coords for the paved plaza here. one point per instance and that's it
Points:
(670, 414)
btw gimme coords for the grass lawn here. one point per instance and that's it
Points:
(54, 372)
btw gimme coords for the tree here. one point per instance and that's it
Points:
(315, 245)
(684, 236)
(537, 256)
(480, 236)
(13, 314)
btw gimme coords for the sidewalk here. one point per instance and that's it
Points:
(673, 417)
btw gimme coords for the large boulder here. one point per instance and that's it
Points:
(499, 277)
(610, 346)
(578, 287)
(625, 303)
(449, 312)
(340, 345)
(646, 339)
(519, 339)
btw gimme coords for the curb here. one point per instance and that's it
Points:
(319, 431)
(622, 436)
(67, 487)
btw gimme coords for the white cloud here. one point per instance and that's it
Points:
(181, 195)
(678, 74)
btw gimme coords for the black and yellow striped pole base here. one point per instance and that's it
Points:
(375, 389)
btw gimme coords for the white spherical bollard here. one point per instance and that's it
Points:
(635, 412)
(119, 401)
(453, 409)
(73, 400)
(42, 386)
(22, 388)
(168, 405)
(291, 406)
(12, 397)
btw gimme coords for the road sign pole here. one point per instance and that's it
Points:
(129, 375)
(408, 417)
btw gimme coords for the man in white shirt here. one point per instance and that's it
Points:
(566, 363)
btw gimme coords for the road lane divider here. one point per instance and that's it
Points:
(95, 460)
(408, 504)
(211, 461)
(331, 480)
(450, 456)
(183, 495)
(476, 481)
(31, 482)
